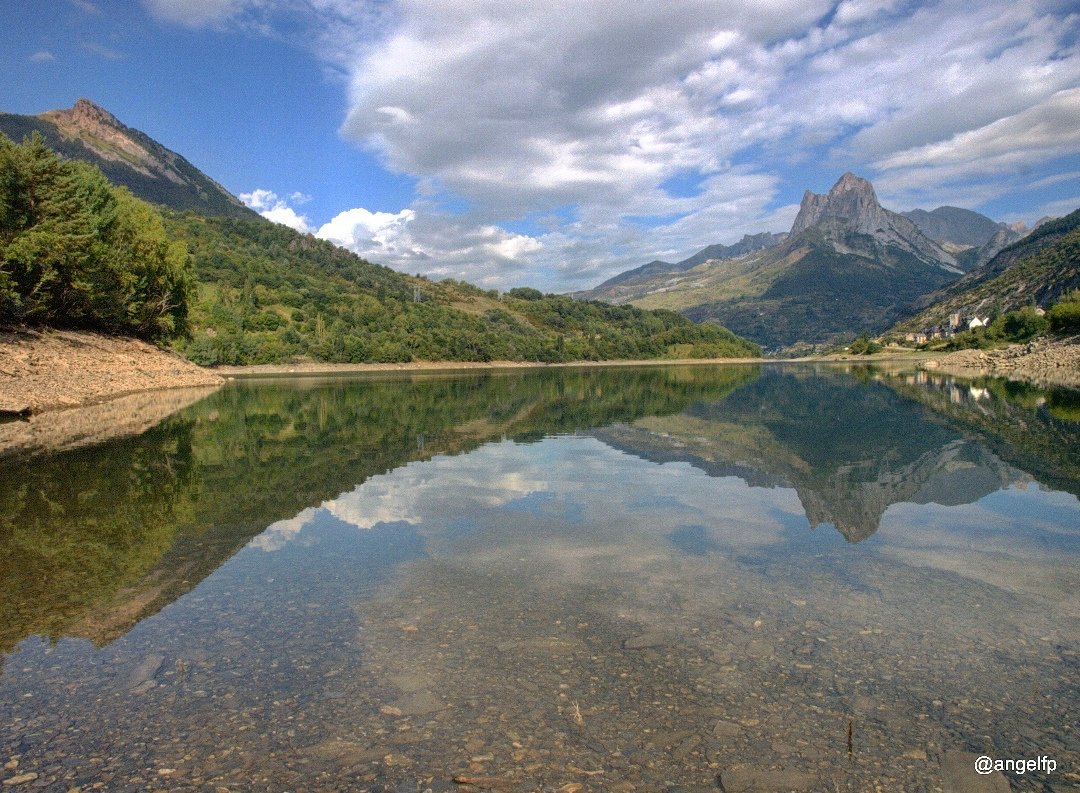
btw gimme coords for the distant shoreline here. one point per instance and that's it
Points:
(315, 368)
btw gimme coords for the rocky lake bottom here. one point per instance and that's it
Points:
(707, 590)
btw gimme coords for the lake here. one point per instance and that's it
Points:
(733, 578)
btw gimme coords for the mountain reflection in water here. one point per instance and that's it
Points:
(599, 577)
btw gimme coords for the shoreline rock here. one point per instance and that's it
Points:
(1044, 362)
(45, 370)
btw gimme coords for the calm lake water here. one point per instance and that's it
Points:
(710, 578)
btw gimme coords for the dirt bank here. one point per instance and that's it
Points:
(47, 370)
(1047, 362)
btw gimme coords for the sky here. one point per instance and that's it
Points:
(554, 143)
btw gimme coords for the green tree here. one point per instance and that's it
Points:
(77, 252)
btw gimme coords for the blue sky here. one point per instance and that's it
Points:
(558, 143)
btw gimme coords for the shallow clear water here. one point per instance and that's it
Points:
(725, 578)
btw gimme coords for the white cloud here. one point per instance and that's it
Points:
(268, 204)
(523, 108)
(197, 13)
(42, 56)
(364, 232)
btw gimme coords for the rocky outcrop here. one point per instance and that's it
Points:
(1047, 362)
(127, 157)
(851, 207)
(102, 133)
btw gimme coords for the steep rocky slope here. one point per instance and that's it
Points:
(128, 157)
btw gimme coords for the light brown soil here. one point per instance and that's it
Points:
(48, 370)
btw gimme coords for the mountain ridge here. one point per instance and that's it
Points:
(847, 266)
(1034, 270)
(128, 157)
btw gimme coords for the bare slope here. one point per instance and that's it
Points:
(43, 370)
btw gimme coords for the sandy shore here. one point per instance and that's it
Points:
(51, 369)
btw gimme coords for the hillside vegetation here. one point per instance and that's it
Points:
(77, 252)
(269, 294)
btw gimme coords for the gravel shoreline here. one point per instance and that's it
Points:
(1045, 362)
(55, 369)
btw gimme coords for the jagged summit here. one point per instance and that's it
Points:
(87, 111)
(851, 208)
(851, 200)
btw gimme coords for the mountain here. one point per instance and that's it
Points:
(127, 157)
(1037, 270)
(268, 294)
(972, 238)
(848, 266)
(955, 225)
(850, 219)
(748, 244)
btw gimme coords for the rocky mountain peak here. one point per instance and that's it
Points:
(851, 208)
(851, 203)
(128, 157)
(87, 112)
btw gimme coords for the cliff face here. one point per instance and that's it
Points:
(848, 266)
(851, 208)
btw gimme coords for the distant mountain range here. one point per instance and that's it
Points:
(127, 157)
(847, 266)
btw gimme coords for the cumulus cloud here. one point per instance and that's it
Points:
(268, 204)
(589, 110)
(524, 107)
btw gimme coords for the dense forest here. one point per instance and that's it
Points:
(77, 252)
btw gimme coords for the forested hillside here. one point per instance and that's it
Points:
(267, 293)
(77, 252)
